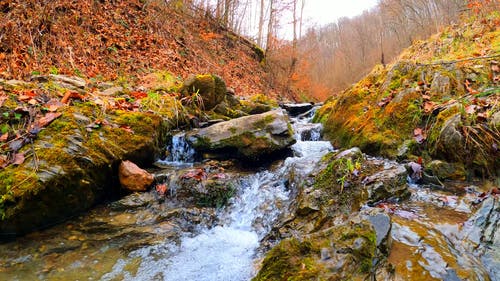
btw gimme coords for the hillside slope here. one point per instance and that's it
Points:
(110, 40)
(439, 100)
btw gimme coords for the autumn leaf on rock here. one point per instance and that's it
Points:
(429, 106)
(161, 188)
(71, 95)
(127, 129)
(197, 174)
(46, 120)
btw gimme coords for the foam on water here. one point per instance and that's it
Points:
(180, 152)
(228, 251)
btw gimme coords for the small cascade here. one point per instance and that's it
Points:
(226, 251)
(179, 152)
(143, 238)
(308, 136)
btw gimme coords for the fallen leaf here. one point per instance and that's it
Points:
(426, 97)
(45, 120)
(219, 176)
(53, 105)
(161, 189)
(483, 116)
(138, 94)
(71, 95)
(429, 106)
(18, 159)
(470, 109)
(3, 161)
(197, 174)
(385, 101)
(127, 129)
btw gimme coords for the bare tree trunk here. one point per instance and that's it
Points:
(227, 10)
(270, 26)
(261, 24)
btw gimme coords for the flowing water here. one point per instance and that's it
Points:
(144, 238)
(436, 234)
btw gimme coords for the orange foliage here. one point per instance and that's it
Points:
(111, 39)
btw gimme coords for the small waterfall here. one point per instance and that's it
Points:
(308, 136)
(227, 252)
(179, 152)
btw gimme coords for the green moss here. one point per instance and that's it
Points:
(203, 143)
(259, 53)
(263, 122)
(263, 99)
(291, 260)
(217, 196)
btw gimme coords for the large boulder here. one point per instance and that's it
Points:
(250, 137)
(75, 166)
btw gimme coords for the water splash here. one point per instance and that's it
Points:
(179, 152)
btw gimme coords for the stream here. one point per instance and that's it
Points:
(144, 236)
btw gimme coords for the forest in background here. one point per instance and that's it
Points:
(129, 38)
(318, 62)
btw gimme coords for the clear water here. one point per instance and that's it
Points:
(228, 250)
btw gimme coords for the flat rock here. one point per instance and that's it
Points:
(250, 137)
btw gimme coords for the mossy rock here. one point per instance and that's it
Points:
(342, 252)
(211, 88)
(252, 138)
(74, 168)
(446, 171)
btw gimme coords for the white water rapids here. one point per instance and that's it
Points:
(227, 252)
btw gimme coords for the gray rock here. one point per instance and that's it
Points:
(352, 153)
(381, 222)
(441, 85)
(252, 137)
(483, 234)
(64, 81)
(450, 135)
(211, 88)
(387, 184)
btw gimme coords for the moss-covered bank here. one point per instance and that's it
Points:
(438, 100)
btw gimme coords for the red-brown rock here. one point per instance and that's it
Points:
(134, 178)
